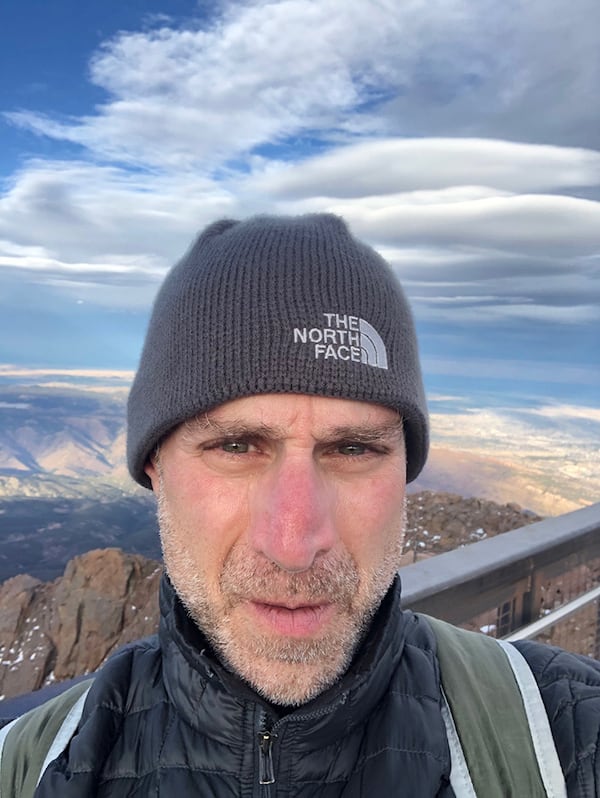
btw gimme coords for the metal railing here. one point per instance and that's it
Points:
(517, 579)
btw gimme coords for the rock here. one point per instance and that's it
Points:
(15, 597)
(439, 521)
(60, 629)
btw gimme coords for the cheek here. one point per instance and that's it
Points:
(208, 516)
(371, 517)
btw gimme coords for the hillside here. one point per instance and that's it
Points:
(55, 630)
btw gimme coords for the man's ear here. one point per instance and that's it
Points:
(151, 469)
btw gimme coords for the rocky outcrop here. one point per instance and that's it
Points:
(105, 598)
(57, 630)
(439, 521)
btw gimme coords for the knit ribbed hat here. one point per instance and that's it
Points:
(276, 305)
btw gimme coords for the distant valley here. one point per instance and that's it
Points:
(64, 486)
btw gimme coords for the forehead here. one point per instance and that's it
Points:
(317, 414)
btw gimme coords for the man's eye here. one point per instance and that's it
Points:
(352, 449)
(235, 447)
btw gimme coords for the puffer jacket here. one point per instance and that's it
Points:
(164, 718)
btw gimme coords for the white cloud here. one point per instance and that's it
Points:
(456, 169)
(478, 311)
(504, 431)
(443, 397)
(84, 210)
(267, 71)
(569, 315)
(261, 72)
(21, 372)
(449, 246)
(560, 411)
(524, 223)
(36, 261)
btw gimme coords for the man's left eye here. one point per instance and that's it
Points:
(352, 449)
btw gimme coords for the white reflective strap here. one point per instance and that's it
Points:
(460, 778)
(3, 735)
(4, 732)
(539, 726)
(65, 732)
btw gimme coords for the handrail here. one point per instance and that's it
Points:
(461, 584)
(552, 618)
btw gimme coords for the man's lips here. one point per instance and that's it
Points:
(292, 619)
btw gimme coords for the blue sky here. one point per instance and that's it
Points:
(461, 138)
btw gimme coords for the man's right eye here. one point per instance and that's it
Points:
(235, 447)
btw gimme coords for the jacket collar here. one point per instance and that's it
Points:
(197, 682)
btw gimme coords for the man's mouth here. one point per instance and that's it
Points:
(292, 619)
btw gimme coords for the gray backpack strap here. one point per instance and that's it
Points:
(29, 743)
(494, 749)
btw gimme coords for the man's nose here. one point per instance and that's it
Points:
(293, 518)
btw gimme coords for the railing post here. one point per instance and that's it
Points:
(531, 601)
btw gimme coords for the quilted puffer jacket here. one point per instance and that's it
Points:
(164, 718)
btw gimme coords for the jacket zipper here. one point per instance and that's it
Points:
(266, 773)
(267, 736)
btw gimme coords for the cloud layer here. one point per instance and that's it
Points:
(460, 139)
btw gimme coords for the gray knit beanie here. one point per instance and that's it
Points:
(276, 305)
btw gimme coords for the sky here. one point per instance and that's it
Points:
(461, 138)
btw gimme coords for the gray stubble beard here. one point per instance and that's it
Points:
(289, 671)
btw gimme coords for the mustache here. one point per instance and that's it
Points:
(333, 579)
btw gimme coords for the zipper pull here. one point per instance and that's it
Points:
(266, 774)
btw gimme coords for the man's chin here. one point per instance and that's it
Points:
(289, 670)
(286, 682)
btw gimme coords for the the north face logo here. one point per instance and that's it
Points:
(344, 338)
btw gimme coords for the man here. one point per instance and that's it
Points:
(277, 414)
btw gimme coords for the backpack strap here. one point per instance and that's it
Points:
(539, 725)
(29, 743)
(498, 731)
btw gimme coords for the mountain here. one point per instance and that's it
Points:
(64, 485)
(67, 440)
(61, 433)
(55, 630)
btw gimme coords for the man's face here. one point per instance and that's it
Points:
(281, 523)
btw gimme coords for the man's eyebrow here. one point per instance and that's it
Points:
(228, 429)
(361, 433)
(366, 433)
